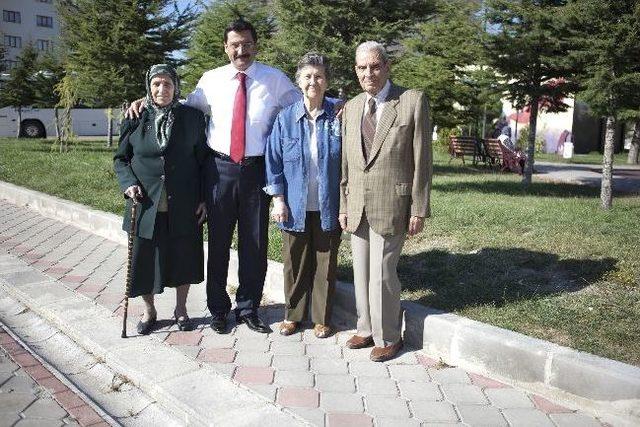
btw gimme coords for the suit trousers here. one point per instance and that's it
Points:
(310, 263)
(377, 287)
(234, 195)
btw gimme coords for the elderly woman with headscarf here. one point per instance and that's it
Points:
(303, 176)
(158, 165)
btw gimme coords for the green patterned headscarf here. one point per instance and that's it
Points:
(164, 116)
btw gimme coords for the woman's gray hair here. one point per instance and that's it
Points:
(371, 45)
(313, 59)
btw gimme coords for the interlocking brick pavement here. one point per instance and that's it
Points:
(30, 394)
(318, 379)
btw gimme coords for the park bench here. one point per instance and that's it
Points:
(491, 152)
(463, 146)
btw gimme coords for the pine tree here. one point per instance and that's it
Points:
(3, 52)
(18, 91)
(206, 50)
(66, 92)
(111, 44)
(529, 50)
(607, 47)
(50, 73)
(445, 58)
(335, 28)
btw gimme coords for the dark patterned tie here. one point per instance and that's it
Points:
(369, 128)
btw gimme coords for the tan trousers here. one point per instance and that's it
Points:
(377, 287)
(310, 263)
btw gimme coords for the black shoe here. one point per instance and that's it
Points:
(184, 323)
(219, 322)
(253, 322)
(145, 328)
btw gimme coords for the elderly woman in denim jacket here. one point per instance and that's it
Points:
(303, 176)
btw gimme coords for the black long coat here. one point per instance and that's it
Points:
(139, 160)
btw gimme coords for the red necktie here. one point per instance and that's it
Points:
(238, 121)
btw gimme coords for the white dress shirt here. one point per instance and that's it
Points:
(268, 90)
(380, 98)
(313, 203)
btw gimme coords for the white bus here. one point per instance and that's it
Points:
(40, 122)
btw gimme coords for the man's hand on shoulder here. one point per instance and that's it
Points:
(135, 109)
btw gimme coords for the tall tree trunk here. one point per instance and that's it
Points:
(56, 115)
(531, 144)
(607, 164)
(110, 127)
(18, 133)
(634, 150)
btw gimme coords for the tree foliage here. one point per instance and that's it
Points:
(606, 35)
(335, 28)
(446, 59)
(18, 90)
(529, 50)
(287, 29)
(606, 38)
(50, 72)
(3, 52)
(111, 43)
(65, 90)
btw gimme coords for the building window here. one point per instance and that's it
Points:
(9, 64)
(13, 41)
(11, 16)
(44, 21)
(44, 45)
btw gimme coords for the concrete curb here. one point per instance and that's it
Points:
(602, 385)
(178, 383)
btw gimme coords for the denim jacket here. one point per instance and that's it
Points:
(287, 158)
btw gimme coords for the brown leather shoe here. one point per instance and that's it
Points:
(322, 331)
(356, 342)
(288, 328)
(381, 354)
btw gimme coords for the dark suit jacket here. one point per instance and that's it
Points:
(395, 182)
(140, 161)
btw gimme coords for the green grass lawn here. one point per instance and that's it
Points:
(547, 262)
(593, 158)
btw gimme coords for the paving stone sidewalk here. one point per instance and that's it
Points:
(30, 394)
(318, 379)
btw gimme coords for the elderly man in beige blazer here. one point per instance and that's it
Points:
(385, 190)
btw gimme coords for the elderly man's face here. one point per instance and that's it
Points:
(241, 49)
(162, 89)
(372, 71)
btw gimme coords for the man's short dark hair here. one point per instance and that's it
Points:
(238, 26)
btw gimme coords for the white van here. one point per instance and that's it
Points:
(40, 122)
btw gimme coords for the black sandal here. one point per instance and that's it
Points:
(145, 328)
(184, 324)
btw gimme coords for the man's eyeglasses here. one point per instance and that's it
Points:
(244, 46)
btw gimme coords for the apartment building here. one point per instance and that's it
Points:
(27, 21)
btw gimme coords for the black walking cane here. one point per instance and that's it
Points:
(127, 291)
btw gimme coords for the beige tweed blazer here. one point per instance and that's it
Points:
(395, 182)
